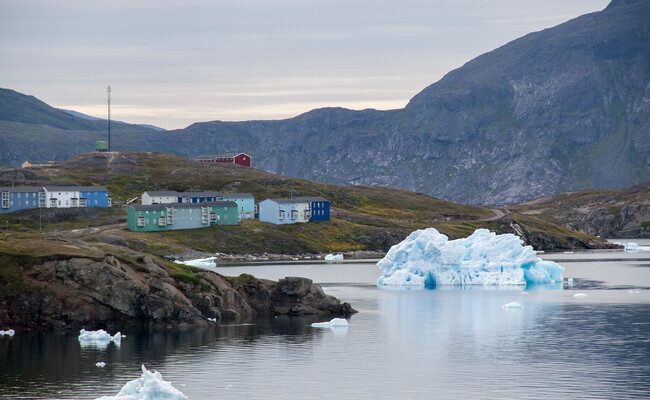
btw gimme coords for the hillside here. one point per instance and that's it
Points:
(563, 109)
(621, 213)
(363, 217)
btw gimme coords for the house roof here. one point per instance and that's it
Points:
(311, 198)
(199, 194)
(162, 193)
(139, 207)
(285, 200)
(21, 189)
(237, 195)
(226, 155)
(76, 189)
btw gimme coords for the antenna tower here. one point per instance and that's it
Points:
(108, 94)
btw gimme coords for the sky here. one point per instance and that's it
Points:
(172, 63)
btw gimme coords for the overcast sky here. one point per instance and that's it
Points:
(172, 63)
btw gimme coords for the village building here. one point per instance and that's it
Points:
(26, 164)
(242, 159)
(284, 211)
(159, 197)
(176, 216)
(319, 208)
(27, 197)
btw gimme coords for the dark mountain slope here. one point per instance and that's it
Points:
(566, 108)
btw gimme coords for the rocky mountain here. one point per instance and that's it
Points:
(566, 108)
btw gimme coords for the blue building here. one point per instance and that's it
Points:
(93, 196)
(319, 208)
(284, 211)
(19, 198)
(197, 197)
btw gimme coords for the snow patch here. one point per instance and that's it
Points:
(428, 258)
(205, 263)
(513, 304)
(8, 332)
(335, 323)
(150, 386)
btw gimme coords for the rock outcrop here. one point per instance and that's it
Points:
(114, 293)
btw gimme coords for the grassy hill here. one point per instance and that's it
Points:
(604, 212)
(363, 218)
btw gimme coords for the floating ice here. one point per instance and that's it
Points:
(428, 258)
(212, 319)
(100, 364)
(580, 295)
(335, 323)
(334, 257)
(150, 386)
(8, 332)
(99, 339)
(569, 281)
(513, 304)
(526, 293)
(633, 291)
(633, 246)
(205, 263)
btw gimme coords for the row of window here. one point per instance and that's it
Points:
(163, 221)
(53, 203)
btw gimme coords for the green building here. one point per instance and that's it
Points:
(175, 216)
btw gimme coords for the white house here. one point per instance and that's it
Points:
(61, 196)
(284, 211)
(161, 197)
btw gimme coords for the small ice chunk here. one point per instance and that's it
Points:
(8, 332)
(99, 338)
(212, 319)
(580, 295)
(513, 304)
(525, 293)
(569, 281)
(150, 386)
(633, 291)
(334, 257)
(335, 323)
(634, 246)
(100, 364)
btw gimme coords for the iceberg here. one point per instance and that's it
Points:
(8, 332)
(634, 246)
(100, 364)
(428, 258)
(205, 263)
(99, 339)
(334, 257)
(513, 304)
(150, 386)
(335, 323)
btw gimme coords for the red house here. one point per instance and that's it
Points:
(242, 159)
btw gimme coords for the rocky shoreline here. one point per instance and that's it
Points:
(261, 257)
(115, 293)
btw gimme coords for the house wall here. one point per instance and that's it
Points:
(20, 201)
(243, 160)
(96, 198)
(62, 199)
(150, 219)
(245, 206)
(147, 199)
(226, 215)
(320, 211)
(269, 211)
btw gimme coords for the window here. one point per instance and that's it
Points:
(162, 221)
(281, 214)
(19, 194)
(140, 221)
(294, 214)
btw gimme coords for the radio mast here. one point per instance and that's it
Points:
(108, 94)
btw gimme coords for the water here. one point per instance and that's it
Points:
(410, 344)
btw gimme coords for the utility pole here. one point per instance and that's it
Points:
(108, 95)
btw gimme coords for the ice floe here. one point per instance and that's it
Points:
(150, 386)
(428, 258)
(334, 257)
(513, 304)
(100, 364)
(633, 246)
(569, 281)
(334, 323)
(99, 339)
(580, 295)
(8, 332)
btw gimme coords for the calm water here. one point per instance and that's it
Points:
(407, 344)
